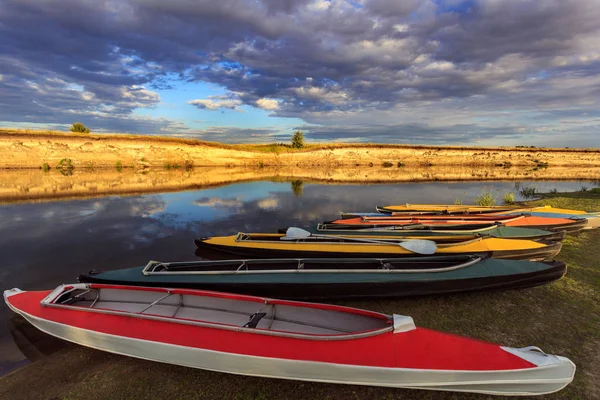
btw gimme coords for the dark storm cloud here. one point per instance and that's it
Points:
(490, 29)
(309, 59)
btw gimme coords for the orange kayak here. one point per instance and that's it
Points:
(484, 217)
(525, 221)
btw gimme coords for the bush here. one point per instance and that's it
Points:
(45, 167)
(509, 198)
(387, 164)
(298, 140)
(168, 165)
(79, 127)
(486, 198)
(400, 164)
(119, 166)
(528, 192)
(65, 164)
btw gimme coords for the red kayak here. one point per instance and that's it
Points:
(524, 221)
(284, 339)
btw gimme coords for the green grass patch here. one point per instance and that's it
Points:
(508, 198)
(487, 197)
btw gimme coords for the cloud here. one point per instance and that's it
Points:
(239, 135)
(267, 104)
(216, 202)
(268, 203)
(478, 63)
(208, 104)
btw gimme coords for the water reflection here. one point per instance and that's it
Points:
(31, 342)
(49, 243)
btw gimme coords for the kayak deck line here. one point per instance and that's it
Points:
(381, 265)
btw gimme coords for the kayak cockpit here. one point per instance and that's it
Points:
(231, 312)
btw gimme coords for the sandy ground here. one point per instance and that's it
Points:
(31, 150)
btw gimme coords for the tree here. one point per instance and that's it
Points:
(79, 127)
(298, 140)
(297, 187)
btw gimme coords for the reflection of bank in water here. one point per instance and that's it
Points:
(36, 185)
(33, 343)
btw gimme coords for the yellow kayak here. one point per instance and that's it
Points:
(259, 245)
(472, 209)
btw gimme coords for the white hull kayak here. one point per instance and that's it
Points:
(551, 373)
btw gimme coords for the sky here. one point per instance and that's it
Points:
(448, 72)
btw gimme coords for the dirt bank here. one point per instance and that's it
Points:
(35, 185)
(25, 149)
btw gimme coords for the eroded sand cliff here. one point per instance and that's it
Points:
(32, 150)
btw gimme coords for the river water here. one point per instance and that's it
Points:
(45, 244)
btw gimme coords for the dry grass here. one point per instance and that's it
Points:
(278, 147)
(111, 136)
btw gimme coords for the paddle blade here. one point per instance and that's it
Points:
(296, 233)
(419, 246)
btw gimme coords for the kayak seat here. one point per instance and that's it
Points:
(254, 320)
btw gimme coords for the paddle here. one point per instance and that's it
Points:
(413, 245)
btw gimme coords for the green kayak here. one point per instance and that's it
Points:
(439, 234)
(337, 278)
